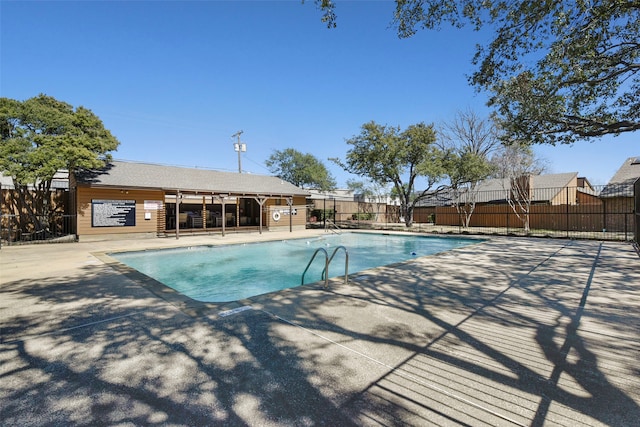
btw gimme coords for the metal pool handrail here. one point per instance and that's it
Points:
(327, 261)
(326, 265)
(346, 263)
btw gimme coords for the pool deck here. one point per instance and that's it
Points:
(511, 331)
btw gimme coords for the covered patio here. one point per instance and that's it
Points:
(142, 199)
(191, 212)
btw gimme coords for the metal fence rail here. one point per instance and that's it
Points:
(601, 213)
(15, 229)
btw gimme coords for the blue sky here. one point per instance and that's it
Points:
(173, 81)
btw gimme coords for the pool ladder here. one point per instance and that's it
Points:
(327, 261)
(328, 224)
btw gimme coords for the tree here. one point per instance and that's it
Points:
(470, 141)
(386, 155)
(41, 136)
(370, 190)
(558, 71)
(300, 169)
(514, 165)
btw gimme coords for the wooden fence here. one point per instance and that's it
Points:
(607, 212)
(562, 217)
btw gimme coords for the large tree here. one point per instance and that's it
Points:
(514, 166)
(470, 141)
(558, 71)
(387, 155)
(303, 170)
(41, 136)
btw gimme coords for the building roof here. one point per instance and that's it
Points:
(621, 185)
(60, 181)
(544, 188)
(123, 174)
(337, 194)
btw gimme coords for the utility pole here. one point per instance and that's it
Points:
(239, 147)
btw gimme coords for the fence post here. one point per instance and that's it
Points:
(604, 219)
(324, 212)
(507, 220)
(636, 193)
(567, 191)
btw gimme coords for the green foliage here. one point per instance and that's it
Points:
(329, 16)
(303, 170)
(363, 216)
(466, 169)
(557, 71)
(322, 214)
(43, 135)
(385, 154)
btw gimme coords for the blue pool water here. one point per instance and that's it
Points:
(234, 272)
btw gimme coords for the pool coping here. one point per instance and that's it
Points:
(195, 308)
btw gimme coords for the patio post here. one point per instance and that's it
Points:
(178, 197)
(290, 203)
(260, 201)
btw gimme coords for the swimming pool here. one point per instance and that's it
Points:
(233, 272)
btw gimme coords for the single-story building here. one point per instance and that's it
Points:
(547, 189)
(142, 199)
(618, 195)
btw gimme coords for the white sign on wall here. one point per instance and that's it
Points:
(152, 205)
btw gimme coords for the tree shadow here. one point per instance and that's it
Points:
(413, 344)
(103, 350)
(526, 294)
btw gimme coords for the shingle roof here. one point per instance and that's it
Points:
(145, 175)
(621, 185)
(60, 181)
(545, 187)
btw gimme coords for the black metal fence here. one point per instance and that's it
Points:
(602, 213)
(15, 229)
(636, 189)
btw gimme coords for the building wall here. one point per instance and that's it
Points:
(568, 194)
(298, 220)
(146, 220)
(150, 222)
(588, 199)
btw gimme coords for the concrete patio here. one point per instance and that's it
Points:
(510, 331)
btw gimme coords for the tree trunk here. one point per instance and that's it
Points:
(408, 217)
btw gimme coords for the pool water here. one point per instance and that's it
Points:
(234, 272)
